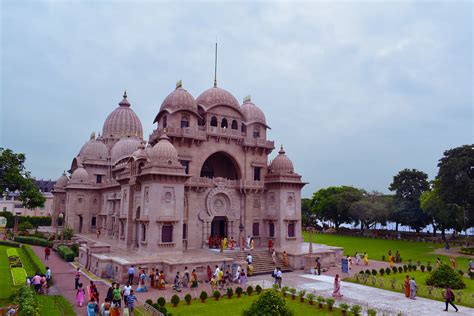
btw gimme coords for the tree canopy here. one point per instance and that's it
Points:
(14, 177)
(372, 208)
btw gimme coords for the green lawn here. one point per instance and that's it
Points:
(7, 282)
(376, 248)
(235, 306)
(50, 305)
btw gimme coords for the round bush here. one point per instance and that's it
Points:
(161, 301)
(203, 296)
(175, 300)
(239, 291)
(258, 289)
(216, 295)
(446, 276)
(269, 303)
(149, 302)
(429, 268)
(249, 290)
(382, 271)
(188, 298)
(374, 272)
(387, 271)
(400, 270)
(230, 292)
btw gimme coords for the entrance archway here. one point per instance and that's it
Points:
(221, 164)
(80, 224)
(218, 231)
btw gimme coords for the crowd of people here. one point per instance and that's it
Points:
(40, 281)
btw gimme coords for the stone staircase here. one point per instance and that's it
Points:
(262, 260)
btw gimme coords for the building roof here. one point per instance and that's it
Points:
(217, 96)
(178, 100)
(252, 113)
(122, 122)
(281, 163)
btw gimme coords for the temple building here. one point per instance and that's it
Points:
(204, 172)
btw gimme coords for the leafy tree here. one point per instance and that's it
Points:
(456, 179)
(308, 218)
(408, 186)
(333, 203)
(442, 215)
(372, 208)
(14, 176)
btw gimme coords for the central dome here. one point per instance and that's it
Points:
(178, 100)
(216, 96)
(122, 122)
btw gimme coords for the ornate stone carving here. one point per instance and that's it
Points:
(290, 202)
(220, 202)
(168, 200)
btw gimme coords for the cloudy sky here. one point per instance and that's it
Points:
(355, 91)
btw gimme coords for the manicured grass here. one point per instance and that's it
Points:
(235, 306)
(49, 306)
(7, 282)
(376, 248)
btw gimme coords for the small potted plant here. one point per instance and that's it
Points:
(387, 271)
(422, 268)
(239, 291)
(230, 292)
(320, 300)
(293, 293)
(356, 310)
(374, 272)
(394, 270)
(175, 300)
(284, 290)
(161, 301)
(258, 289)
(382, 271)
(330, 302)
(216, 295)
(301, 295)
(371, 312)
(344, 307)
(149, 302)
(400, 269)
(249, 290)
(188, 298)
(203, 296)
(311, 298)
(429, 268)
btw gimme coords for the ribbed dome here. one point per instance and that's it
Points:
(252, 113)
(124, 148)
(178, 100)
(80, 175)
(122, 122)
(140, 153)
(217, 96)
(94, 149)
(281, 163)
(164, 150)
(62, 181)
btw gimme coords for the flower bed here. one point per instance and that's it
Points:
(18, 276)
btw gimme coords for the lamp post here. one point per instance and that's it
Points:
(310, 239)
(241, 229)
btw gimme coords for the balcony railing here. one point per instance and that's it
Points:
(211, 182)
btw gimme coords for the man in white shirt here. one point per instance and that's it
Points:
(249, 259)
(279, 277)
(126, 292)
(48, 275)
(248, 242)
(216, 272)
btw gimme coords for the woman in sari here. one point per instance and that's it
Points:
(366, 259)
(337, 287)
(274, 257)
(142, 282)
(194, 279)
(209, 273)
(285, 259)
(91, 307)
(252, 244)
(161, 281)
(80, 294)
(225, 243)
(390, 261)
(231, 243)
(152, 278)
(90, 290)
(407, 286)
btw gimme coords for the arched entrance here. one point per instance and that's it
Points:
(80, 223)
(221, 165)
(218, 231)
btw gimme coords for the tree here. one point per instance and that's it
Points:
(408, 186)
(443, 216)
(269, 303)
(456, 180)
(372, 208)
(333, 203)
(14, 177)
(307, 215)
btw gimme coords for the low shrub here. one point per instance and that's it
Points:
(27, 301)
(149, 302)
(161, 301)
(12, 252)
(34, 241)
(446, 276)
(371, 312)
(217, 295)
(249, 290)
(374, 272)
(230, 292)
(203, 296)
(284, 290)
(188, 298)
(382, 271)
(293, 293)
(422, 268)
(356, 309)
(175, 300)
(344, 306)
(18, 275)
(35, 261)
(269, 303)
(394, 270)
(429, 268)
(367, 271)
(9, 243)
(321, 301)
(400, 270)
(301, 294)
(239, 291)
(66, 253)
(387, 271)
(311, 298)
(330, 302)
(25, 226)
(75, 249)
(461, 272)
(405, 268)
(258, 289)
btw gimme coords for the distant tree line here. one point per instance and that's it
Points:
(446, 203)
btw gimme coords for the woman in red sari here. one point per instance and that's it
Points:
(270, 245)
(209, 273)
(161, 281)
(231, 243)
(407, 286)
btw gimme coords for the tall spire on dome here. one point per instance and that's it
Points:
(124, 101)
(282, 151)
(215, 67)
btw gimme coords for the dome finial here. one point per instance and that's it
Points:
(282, 151)
(179, 84)
(215, 67)
(92, 136)
(247, 98)
(125, 94)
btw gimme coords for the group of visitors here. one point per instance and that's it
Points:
(392, 259)
(40, 282)
(218, 242)
(142, 278)
(186, 280)
(410, 288)
(277, 275)
(358, 258)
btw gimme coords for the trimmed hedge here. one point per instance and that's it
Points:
(9, 243)
(19, 276)
(35, 261)
(66, 253)
(34, 220)
(12, 252)
(34, 241)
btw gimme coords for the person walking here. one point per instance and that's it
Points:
(48, 276)
(449, 297)
(412, 289)
(80, 294)
(117, 296)
(186, 277)
(77, 277)
(47, 253)
(131, 274)
(92, 307)
(127, 289)
(285, 259)
(318, 265)
(279, 277)
(131, 299)
(337, 287)
(366, 259)
(194, 279)
(270, 245)
(357, 256)
(407, 286)
(274, 257)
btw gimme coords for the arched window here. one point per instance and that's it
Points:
(184, 121)
(137, 214)
(243, 128)
(143, 232)
(213, 121)
(224, 123)
(234, 125)
(256, 132)
(165, 121)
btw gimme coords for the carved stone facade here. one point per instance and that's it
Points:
(204, 171)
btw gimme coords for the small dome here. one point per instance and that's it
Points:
(178, 100)
(80, 175)
(62, 181)
(94, 149)
(217, 96)
(281, 163)
(164, 150)
(122, 122)
(140, 153)
(252, 113)
(124, 148)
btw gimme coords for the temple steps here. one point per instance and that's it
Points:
(262, 260)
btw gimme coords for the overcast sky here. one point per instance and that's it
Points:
(354, 91)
